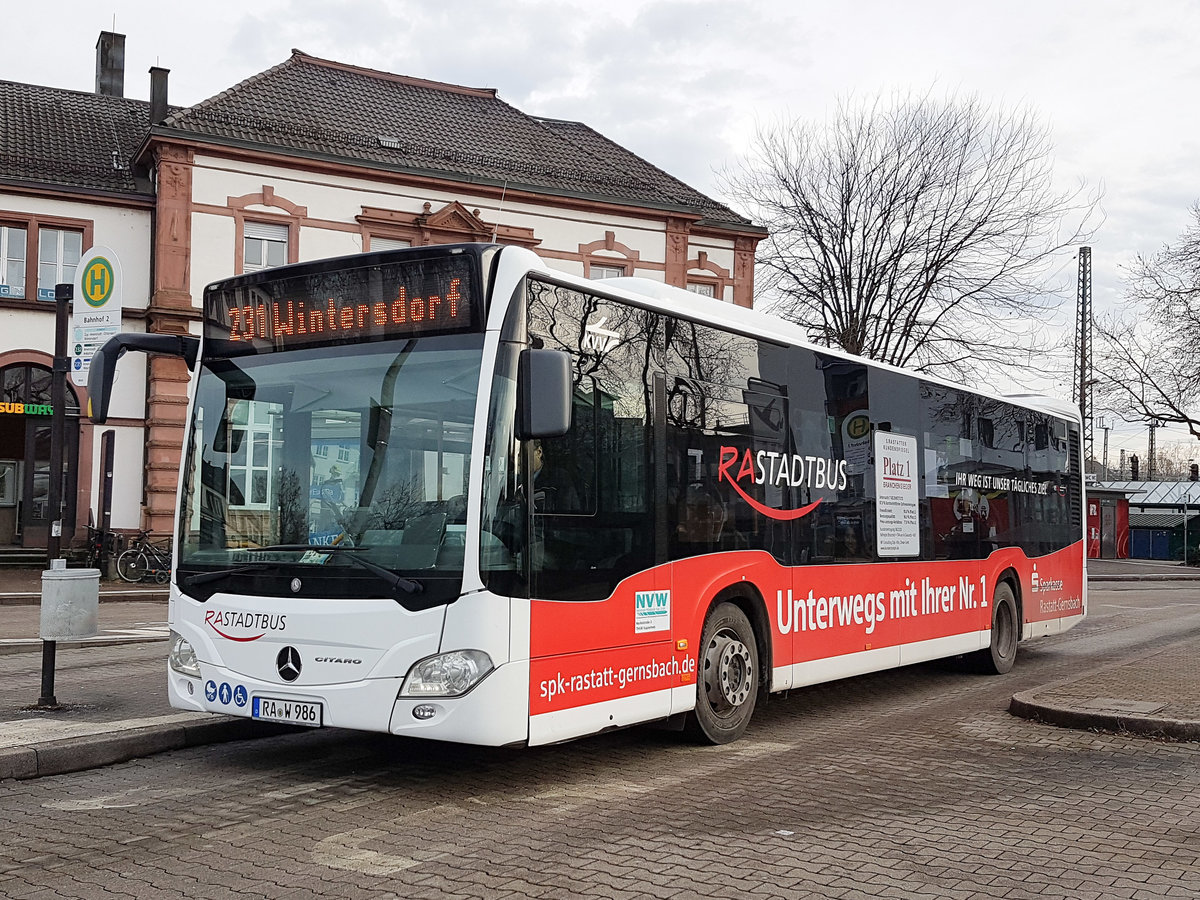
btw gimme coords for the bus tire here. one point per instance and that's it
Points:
(726, 678)
(1001, 653)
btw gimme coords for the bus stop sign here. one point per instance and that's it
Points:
(97, 313)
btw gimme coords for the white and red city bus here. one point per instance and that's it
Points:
(448, 492)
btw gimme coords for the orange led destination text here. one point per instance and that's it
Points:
(282, 319)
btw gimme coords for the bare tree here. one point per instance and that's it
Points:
(1148, 361)
(919, 232)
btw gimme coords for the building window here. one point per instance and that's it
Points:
(12, 261)
(606, 271)
(265, 246)
(704, 290)
(58, 256)
(386, 243)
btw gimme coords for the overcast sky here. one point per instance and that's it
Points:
(685, 82)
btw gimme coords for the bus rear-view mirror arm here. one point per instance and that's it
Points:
(543, 394)
(104, 363)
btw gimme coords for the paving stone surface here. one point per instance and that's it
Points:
(914, 783)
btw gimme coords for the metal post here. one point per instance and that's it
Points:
(63, 294)
(1083, 350)
(47, 700)
(107, 449)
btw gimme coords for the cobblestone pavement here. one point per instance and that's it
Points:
(915, 783)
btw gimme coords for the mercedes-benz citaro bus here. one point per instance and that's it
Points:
(450, 492)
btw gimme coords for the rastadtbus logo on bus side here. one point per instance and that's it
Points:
(772, 467)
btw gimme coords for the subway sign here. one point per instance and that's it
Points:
(26, 409)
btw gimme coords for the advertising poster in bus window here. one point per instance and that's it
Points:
(897, 522)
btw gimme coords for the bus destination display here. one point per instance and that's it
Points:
(348, 306)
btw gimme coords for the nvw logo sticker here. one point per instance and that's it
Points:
(97, 282)
(651, 611)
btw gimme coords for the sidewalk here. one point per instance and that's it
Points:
(112, 688)
(1156, 694)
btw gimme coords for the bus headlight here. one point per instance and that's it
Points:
(447, 674)
(182, 657)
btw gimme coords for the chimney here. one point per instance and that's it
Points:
(110, 64)
(158, 94)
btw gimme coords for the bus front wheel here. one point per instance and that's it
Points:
(727, 677)
(1000, 655)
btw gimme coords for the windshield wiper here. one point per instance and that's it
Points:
(205, 577)
(387, 576)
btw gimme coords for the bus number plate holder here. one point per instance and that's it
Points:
(291, 712)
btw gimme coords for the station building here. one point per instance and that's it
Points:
(308, 159)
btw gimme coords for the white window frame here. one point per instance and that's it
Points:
(261, 235)
(64, 271)
(379, 242)
(6, 257)
(604, 270)
(703, 289)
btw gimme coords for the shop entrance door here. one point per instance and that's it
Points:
(25, 436)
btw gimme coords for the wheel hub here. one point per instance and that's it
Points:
(730, 672)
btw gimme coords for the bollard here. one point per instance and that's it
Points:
(70, 612)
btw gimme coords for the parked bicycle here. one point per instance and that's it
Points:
(146, 559)
(101, 547)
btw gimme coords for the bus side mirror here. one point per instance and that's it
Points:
(103, 368)
(543, 394)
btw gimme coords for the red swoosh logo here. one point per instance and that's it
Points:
(783, 514)
(230, 637)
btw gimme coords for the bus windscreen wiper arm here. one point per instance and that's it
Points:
(387, 576)
(205, 577)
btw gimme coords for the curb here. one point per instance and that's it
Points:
(34, 645)
(82, 753)
(1025, 706)
(1147, 577)
(34, 598)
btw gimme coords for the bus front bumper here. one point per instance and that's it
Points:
(494, 713)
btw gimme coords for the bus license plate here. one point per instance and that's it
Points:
(293, 712)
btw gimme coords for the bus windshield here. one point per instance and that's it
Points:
(330, 467)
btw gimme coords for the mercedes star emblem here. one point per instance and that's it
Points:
(288, 664)
(295, 585)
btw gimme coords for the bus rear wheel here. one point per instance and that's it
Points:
(727, 680)
(1000, 655)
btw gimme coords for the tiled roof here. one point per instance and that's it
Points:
(616, 156)
(327, 109)
(70, 139)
